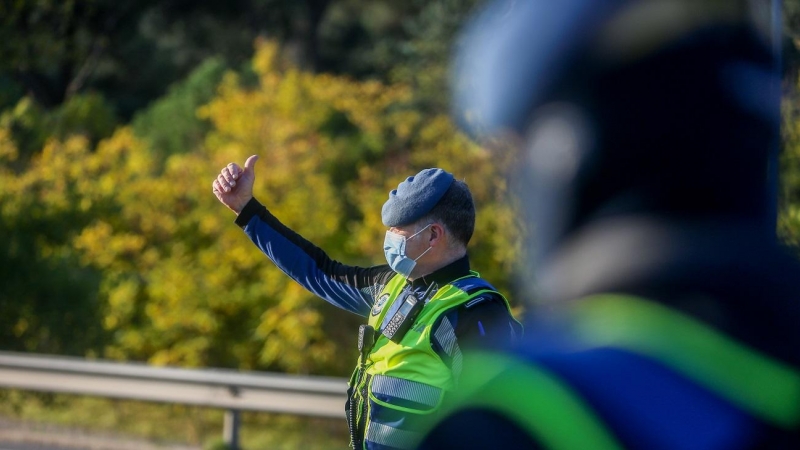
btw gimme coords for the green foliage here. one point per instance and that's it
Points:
(54, 48)
(47, 297)
(171, 125)
(131, 50)
(10, 92)
(167, 278)
(27, 125)
(90, 115)
(404, 42)
(426, 54)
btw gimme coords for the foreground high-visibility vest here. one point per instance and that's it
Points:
(398, 386)
(554, 414)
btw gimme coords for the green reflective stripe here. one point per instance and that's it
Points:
(761, 385)
(535, 400)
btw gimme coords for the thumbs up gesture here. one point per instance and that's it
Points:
(234, 185)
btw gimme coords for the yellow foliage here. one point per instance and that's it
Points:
(8, 149)
(181, 284)
(102, 247)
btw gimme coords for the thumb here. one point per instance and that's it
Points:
(251, 163)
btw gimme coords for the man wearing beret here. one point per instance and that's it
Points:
(422, 307)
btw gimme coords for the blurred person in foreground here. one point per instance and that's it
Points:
(423, 307)
(667, 313)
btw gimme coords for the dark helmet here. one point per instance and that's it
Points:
(665, 107)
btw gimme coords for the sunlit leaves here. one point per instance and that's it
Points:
(178, 282)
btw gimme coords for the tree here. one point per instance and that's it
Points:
(130, 51)
(169, 277)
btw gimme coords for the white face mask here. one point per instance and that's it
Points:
(394, 247)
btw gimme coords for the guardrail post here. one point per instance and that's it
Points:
(230, 429)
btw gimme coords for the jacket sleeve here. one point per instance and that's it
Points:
(351, 288)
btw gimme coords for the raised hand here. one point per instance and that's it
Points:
(234, 185)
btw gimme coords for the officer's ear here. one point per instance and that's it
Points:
(438, 234)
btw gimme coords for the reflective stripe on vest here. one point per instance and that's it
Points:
(418, 396)
(389, 436)
(762, 386)
(533, 399)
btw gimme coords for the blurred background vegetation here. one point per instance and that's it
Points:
(116, 115)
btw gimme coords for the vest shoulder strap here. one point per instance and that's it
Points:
(473, 284)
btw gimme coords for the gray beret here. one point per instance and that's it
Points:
(415, 197)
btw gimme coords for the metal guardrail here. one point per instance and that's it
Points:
(215, 388)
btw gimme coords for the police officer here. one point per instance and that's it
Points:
(424, 307)
(667, 311)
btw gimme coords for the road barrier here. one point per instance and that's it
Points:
(231, 390)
